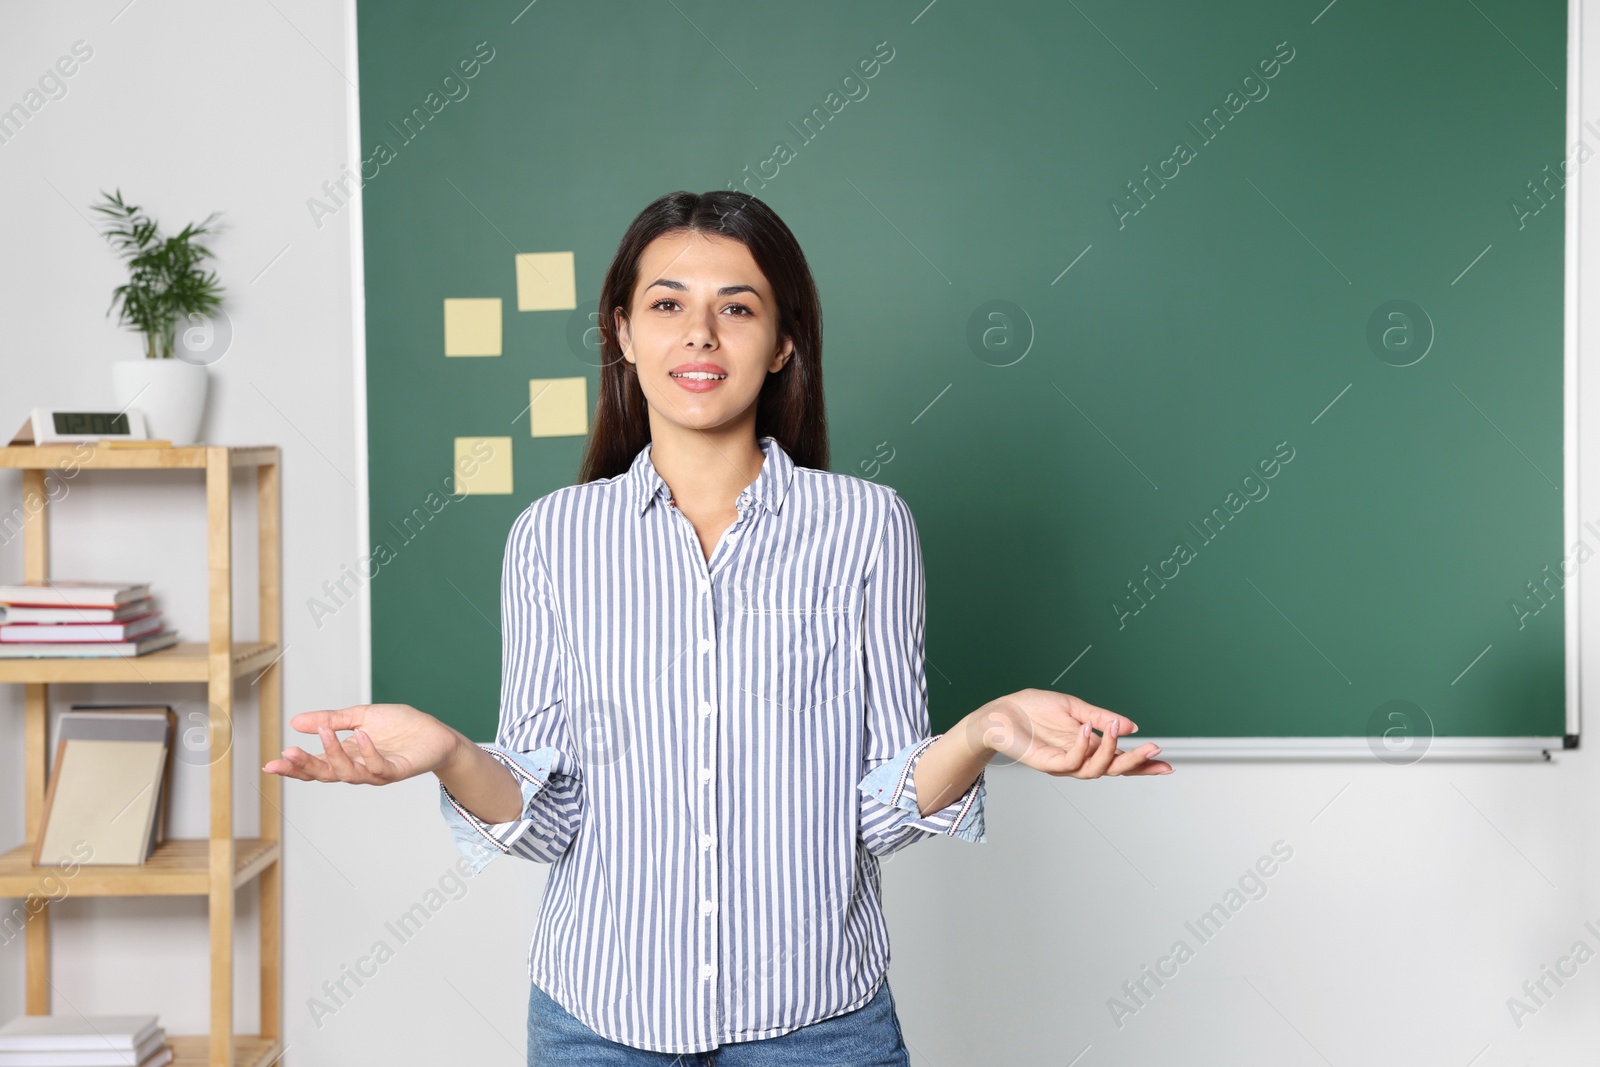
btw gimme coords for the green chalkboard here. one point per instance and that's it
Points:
(1279, 285)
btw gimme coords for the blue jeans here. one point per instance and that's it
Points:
(867, 1037)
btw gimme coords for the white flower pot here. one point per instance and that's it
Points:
(170, 392)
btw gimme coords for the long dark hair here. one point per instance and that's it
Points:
(790, 407)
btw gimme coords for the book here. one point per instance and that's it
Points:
(10, 613)
(102, 796)
(47, 1033)
(137, 647)
(128, 630)
(68, 592)
(128, 722)
(96, 1051)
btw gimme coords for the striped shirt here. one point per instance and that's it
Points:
(714, 754)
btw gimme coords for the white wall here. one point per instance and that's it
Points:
(1414, 905)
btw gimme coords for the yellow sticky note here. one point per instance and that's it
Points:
(472, 327)
(546, 282)
(558, 407)
(483, 465)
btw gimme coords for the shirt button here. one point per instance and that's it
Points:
(705, 840)
(705, 774)
(705, 586)
(705, 707)
(705, 644)
(706, 907)
(707, 970)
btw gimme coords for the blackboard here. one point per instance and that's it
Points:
(1283, 285)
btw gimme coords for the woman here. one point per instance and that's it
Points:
(713, 711)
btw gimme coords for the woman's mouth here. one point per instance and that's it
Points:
(698, 378)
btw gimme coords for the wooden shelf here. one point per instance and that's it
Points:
(213, 867)
(186, 661)
(249, 1050)
(176, 868)
(86, 456)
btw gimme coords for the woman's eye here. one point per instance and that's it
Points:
(745, 311)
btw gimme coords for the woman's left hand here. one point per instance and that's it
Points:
(1054, 732)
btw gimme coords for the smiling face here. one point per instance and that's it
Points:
(702, 332)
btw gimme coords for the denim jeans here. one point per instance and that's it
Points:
(867, 1037)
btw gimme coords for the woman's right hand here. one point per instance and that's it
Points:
(391, 742)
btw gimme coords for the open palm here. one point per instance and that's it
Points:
(1054, 732)
(389, 743)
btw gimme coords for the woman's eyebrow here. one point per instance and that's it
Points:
(726, 290)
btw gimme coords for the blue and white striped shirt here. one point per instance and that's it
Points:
(715, 755)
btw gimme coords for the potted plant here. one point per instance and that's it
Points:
(167, 282)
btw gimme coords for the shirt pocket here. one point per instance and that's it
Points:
(796, 655)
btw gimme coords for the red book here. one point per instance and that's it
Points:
(136, 627)
(29, 613)
(137, 647)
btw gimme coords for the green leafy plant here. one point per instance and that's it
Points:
(167, 278)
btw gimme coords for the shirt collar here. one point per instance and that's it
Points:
(768, 489)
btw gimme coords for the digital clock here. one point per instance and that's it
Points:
(49, 426)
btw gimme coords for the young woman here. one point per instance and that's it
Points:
(713, 714)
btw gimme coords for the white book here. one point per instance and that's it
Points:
(103, 794)
(106, 1055)
(43, 1033)
(72, 592)
(123, 722)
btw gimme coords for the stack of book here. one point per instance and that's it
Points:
(59, 617)
(84, 1041)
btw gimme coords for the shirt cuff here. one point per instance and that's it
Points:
(481, 841)
(894, 784)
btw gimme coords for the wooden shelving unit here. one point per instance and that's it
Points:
(212, 867)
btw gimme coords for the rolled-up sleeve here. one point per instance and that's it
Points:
(532, 739)
(896, 698)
